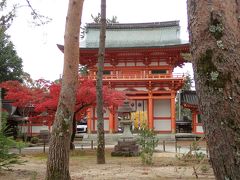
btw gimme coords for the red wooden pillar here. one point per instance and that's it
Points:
(173, 118)
(150, 111)
(194, 121)
(89, 120)
(111, 120)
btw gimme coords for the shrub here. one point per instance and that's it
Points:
(34, 140)
(20, 145)
(7, 159)
(147, 141)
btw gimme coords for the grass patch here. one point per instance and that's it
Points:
(39, 156)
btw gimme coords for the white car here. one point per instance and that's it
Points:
(81, 127)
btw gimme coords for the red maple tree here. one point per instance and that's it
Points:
(43, 96)
(85, 98)
(23, 96)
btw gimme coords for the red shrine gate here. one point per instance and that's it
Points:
(142, 68)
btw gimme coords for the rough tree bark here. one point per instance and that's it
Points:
(100, 65)
(215, 36)
(58, 157)
(74, 129)
(0, 109)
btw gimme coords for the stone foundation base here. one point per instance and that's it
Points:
(126, 148)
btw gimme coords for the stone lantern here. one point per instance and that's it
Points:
(127, 145)
(124, 113)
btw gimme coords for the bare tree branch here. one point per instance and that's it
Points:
(38, 18)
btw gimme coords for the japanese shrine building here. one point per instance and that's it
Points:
(139, 60)
(189, 100)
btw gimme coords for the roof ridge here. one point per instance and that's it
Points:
(136, 25)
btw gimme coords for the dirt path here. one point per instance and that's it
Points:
(83, 166)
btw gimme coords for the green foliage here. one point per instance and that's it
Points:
(10, 63)
(184, 111)
(113, 20)
(147, 141)
(97, 19)
(187, 83)
(34, 140)
(7, 159)
(3, 122)
(6, 16)
(20, 145)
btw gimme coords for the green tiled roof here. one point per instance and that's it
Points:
(189, 97)
(135, 35)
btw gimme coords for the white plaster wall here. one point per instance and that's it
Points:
(130, 64)
(138, 89)
(36, 129)
(162, 125)
(199, 129)
(106, 125)
(107, 65)
(153, 64)
(140, 64)
(141, 89)
(162, 63)
(121, 64)
(120, 89)
(162, 108)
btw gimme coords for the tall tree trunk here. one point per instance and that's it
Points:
(100, 65)
(0, 109)
(215, 36)
(58, 157)
(74, 129)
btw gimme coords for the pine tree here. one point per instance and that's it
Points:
(101, 55)
(214, 36)
(10, 63)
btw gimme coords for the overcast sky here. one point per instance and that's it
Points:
(37, 45)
